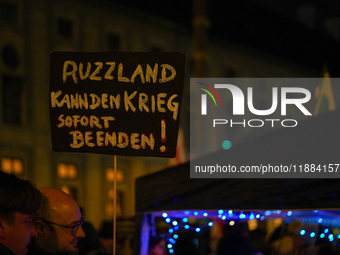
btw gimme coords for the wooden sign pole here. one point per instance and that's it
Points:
(114, 204)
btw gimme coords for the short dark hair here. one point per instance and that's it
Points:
(44, 211)
(17, 195)
(106, 229)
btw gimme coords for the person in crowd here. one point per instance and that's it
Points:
(91, 241)
(293, 243)
(258, 241)
(157, 246)
(106, 236)
(19, 201)
(235, 240)
(58, 224)
(105, 246)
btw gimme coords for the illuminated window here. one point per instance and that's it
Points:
(110, 176)
(12, 166)
(67, 171)
(110, 201)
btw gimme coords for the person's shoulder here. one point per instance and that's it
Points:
(34, 250)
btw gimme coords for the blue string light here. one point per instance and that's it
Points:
(231, 216)
(171, 240)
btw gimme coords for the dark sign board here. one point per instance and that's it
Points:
(117, 103)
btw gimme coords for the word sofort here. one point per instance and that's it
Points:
(101, 138)
(105, 70)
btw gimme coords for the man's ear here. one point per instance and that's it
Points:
(40, 227)
(2, 229)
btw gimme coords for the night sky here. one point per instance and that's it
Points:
(270, 27)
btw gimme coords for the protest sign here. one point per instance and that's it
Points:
(117, 103)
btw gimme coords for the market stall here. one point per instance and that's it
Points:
(172, 196)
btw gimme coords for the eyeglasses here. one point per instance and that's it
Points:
(74, 228)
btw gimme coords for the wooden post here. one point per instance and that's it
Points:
(114, 204)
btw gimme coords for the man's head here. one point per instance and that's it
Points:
(19, 201)
(58, 223)
(106, 235)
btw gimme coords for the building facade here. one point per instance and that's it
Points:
(31, 29)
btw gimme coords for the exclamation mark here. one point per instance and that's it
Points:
(163, 136)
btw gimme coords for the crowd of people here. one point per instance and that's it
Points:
(97, 242)
(37, 221)
(47, 221)
(284, 240)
